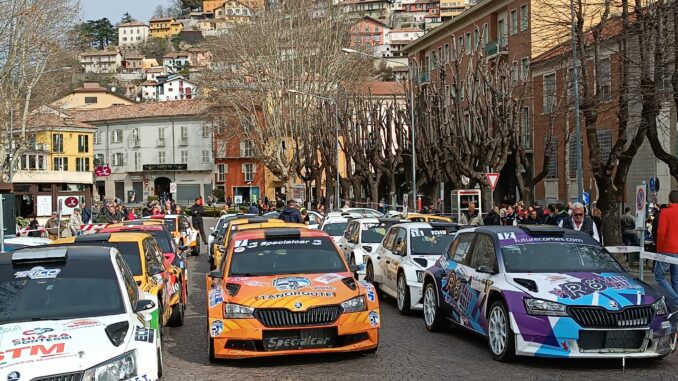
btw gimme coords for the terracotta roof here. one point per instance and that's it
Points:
(134, 57)
(162, 19)
(400, 42)
(155, 70)
(50, 120)
(131, 24)
(149, 83)
(175, 55)
(100, 53)
(145, 110)
(381, 88)
(407, 30)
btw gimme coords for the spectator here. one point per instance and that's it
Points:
(156, 210)
(34, 227)
(224, 211)
(96, 211)
(492, 217)
(197, 212)
(229, 202)
(178, 209)
(667, 243)
(112, 215)
(52, 226)
(131, 215)
(291, 213)
(597, 216)
(628, 228)
(550, 218)
(75, 222)
(471, 217)
(579, 221)
(533, 218)
(253, 209)
(321, 209)
(562, 214)
(510, 217)
(304, 216)
(86, 214)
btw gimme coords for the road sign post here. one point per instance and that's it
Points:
(641, 202)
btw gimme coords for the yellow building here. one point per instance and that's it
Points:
(57, 164)
(211, 5)
(165, 27)
(90, 96)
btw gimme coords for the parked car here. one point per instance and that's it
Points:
(181, 229)
(397, 266)
(75, 313)
(288, 291)
(335, 225)
(361, 237)
(549, 292)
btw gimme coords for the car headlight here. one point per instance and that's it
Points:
(354, 305)
(660, 307)
(420, 276)
(545, 307)
(237, 311)
(119, 368)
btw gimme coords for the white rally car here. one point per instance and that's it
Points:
(335, 225)
(363, 236)
(398, 264)
(75, 313)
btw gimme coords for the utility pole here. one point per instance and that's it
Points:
(577, 124)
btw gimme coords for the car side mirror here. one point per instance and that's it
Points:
(215, 274)
(486, 270)
(144, 305)
(154, 270)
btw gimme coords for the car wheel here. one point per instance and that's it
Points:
(403, 295)
(433, 317)
(500, 337)
(177, 318)
(369, 276)
(196, 250)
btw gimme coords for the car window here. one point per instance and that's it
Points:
(336, 229)
(461, 247)
(483, 253)
(427, 241)
(185, 225)
(130, 285)
(372, 233)
(389, 238)
(400, 242)
(149, 254)
(347, 232)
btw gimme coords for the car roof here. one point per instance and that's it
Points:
(413, 225)
(367, 220)
(261, 233)
(104, 237)
(73, 253)
(533, 231)
(269, 225)
(132, 228)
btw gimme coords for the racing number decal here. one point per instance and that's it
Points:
(144, 334)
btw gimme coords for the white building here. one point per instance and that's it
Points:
(175, 61)
(153, 73)
(133, 34)
(172, 88)
(101, 61)
(149, 146)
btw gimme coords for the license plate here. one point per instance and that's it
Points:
(293, 339)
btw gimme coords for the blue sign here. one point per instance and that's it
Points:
(586, 197)
(651, 184)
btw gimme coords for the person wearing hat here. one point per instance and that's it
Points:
(52, 226)
(75, 223)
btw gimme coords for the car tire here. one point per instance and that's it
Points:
(403, 295)
(369, 277)
(196, 250)
(177, 318)
(500, 338)
(433, 317)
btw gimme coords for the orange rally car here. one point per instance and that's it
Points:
(288, 291)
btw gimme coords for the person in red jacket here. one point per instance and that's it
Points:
(667, 243)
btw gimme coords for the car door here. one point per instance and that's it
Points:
(480, 269)
(343, 242)
(393, 258)
(381, 252)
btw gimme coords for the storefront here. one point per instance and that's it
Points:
(43, 198)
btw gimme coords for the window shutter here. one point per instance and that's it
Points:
(244, 168)
(254, 168)
(225, 168)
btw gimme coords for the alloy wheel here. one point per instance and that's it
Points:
(497, 330)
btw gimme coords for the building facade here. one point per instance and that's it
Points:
(238, 174)
(90, 96)
(164, 27)
(101, 61)
(132, 35)
(153, 147)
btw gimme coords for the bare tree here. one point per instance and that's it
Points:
(34, 37)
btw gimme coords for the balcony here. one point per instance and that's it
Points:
(160, 142)
(424, 78)
(495, 48)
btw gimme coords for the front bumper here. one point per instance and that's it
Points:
(567, 339)
(248, 338)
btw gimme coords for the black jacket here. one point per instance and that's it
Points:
(587, 225)
(492, 218)
(197, 211)
(291, 215)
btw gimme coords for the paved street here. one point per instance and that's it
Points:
(406, 352)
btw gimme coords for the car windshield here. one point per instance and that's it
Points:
(162, 239)
(551, 257)
(285, 256)
(429, 241)
(335, 229)
(373, 234)
(9, 247)
(56, 291)
(171, 224)
(129, 251)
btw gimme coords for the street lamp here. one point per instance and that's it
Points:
(410, 72)
(336, 132)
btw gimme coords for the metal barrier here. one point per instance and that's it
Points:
(672, 259)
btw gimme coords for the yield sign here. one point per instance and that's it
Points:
(492, 178)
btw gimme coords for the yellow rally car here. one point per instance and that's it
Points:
(236, 225)
(181, 229)
(417, 217)
(288, 291)
(152, 271)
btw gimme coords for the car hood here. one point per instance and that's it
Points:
(295, 291)
(38, 349)
(612, 291)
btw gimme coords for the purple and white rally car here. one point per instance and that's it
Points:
(549, 292)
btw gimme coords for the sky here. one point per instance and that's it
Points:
(114, 9)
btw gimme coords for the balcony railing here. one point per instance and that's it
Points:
(494, 48)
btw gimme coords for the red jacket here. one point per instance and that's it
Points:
(667, 232)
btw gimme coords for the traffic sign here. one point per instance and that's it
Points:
(173, 187)
(656, 184)
(640, 206)
(651, 184)
(586, 197)
(71, 202)
(102, 171)
(492, 178)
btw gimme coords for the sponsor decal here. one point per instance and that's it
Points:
(298, 305)
(38, 273)
(38, 331)
(296, 293)
(40, 335)
(323, 288)
(10, 329)
(253, 283)
(613, 304)
(328, 278)
(374, 318)
(666, 325)
(39, 351)
(297, 343)
(216, 328)
(240, 278)
(291, 283)
(370, 295)
(584, 287)
(414, 233)
(139, 378)
(245, 244)
(82, 323)
(14, 376)
(511, 238)
(238, 249)
(144, 334)
(216, 297)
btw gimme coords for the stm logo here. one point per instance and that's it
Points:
(506, 236)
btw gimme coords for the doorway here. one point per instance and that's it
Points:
(162, 187)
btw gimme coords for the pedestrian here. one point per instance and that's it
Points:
(492, 217)
(291, 213)
(471, 216)
(197, 212)
(86, 214)
(156, 210)
(550, 218)
(75, 222)
(34, 227)
(253, 209)
(628, 228)
(579, 221)
(304, 216)
(667, 243)
(178, 210)
(229, 202)
(131, 214)
(597, 217)
(224, 211)
(96, 211)
(168, 207)
(562, 214)
(533, 218)
(321, 209)
(112, 214)
(52, 226)
(509, 217)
